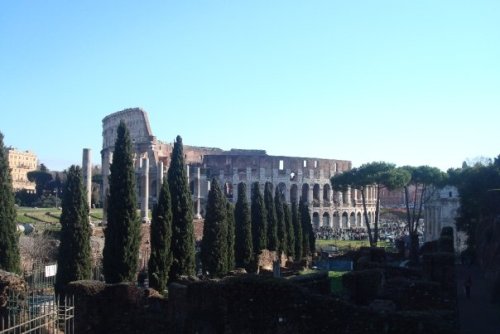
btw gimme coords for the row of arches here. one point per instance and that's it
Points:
(341, 220)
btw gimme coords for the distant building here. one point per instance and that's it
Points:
(441, 211)
(295, 177)
(20, 163)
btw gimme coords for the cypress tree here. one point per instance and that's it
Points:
(258, 218)
(74, 258)
(272, 223)
(160, 238)
(214, 242)
(122, 234)
(9, 239)
(290, 234)
(230, 236)
(280, 220)
(297, 229)
(243, 230)
(303, 218)
(183, 245)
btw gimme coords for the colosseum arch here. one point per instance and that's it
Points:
(345, 220)
(315, 220)
(294, 193)
(282, 190)
(228, 190)
(316, 194)
(336, 220)
(326, 219)
(352, 219)
(305, 193)
(327, 193)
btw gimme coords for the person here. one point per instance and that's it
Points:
(467, 286)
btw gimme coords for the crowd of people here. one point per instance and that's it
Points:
(388, 230)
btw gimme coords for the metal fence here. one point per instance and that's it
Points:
(38, 314)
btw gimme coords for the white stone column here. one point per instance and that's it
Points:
(159, 180)
(145, 191)
(87, 174)
(198, 193)
(311, 194)
(348, 196)
(320, 197)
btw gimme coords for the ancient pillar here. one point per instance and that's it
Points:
(320, 196)
(87, 174)
(145, 191)
(348, 196)
(198, 193)
(159, 180)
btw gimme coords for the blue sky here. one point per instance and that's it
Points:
(408, 82)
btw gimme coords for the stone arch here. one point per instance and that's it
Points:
(228, 190)
(345, 220)
(336, 220)
(294, 193)
(327, 193)
(316, 194)
(352, 219)
(359, 219)
(305, 192)
(315, 220)
(326, 219)
(191, 187)
(282, 191)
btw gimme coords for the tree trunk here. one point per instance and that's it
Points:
(367, 222)
(414, 248)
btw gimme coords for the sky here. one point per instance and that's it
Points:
(406, 82)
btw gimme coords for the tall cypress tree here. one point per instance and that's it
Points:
(308, 238)
(183, 245)
(230, 235)
(272, 223)
(243, 229)
(214, 242)
(258, 218)
(9, 240)
(161, 237)
(290, 234)
(122, 234)
(74, 259)
(297, 229)
(280, 222)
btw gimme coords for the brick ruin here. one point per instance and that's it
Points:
(296, 177)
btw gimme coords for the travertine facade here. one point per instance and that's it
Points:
(296, 177)
(20, 163)
(440, 211)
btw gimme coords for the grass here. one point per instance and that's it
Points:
(347, 245)
(335, 279)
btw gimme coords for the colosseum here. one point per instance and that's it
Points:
(296, 177)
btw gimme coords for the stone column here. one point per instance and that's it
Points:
(159, 180)
(87, 174)
(355, 196)
(310, 196)
(187, 174)
(107, 158)
(320, 197)
(198, 193)
(348, 196)
(145, 191)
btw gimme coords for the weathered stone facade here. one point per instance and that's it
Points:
(440, 211)
(296, 177)
(20, 164)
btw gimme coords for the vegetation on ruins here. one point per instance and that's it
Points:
(183, 243)
(243, 229)
(280, 222)
(74, 261)
(258, 219)
(425, 180)
(160, 238)
(230, 235)
(9, 248)
(122, 234)
(479, 188)
(290, 233)
(375, 174)
(297, 229)
(214, 243)
(272, 223)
